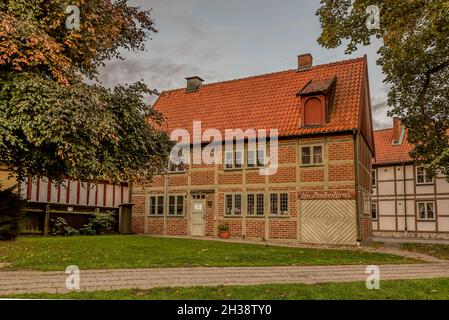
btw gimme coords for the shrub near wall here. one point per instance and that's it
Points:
(11, 214)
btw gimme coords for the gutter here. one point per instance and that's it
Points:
(405, 200)
(357, 198)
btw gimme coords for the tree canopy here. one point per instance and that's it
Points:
(414, 58)
(54, 124)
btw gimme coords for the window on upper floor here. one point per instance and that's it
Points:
(234, 159)
(255, 158)
(311, 155)
(374, 178)
(177, 164)
(426, 210)
(423, 176)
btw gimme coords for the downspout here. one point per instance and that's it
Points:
(405, 199)
(357, 196)
(165, 201)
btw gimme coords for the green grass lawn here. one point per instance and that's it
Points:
(437, 250)
(111, 252)
(389, 290)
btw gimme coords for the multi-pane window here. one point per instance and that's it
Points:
(260, 205)
(374, 211)
(160, 205)
(229, 160)
(373, 178)
(178, 164)
(255, 158)
(426, 211)
(238, 204)
(176, 205)
(274, 203)
(260, 158)
(228, 204)
(250, 204)
(312, 155)
(153, 201)
(233, 204)
(255, 204)
(284, 203)
(156, 205)
(423, 176)
(179, 205)
(279, 204)
(171, 205)
(234, 159)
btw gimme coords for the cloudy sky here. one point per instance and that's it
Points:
(221, 40)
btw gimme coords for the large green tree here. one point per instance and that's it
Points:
(414, 58)
(54, 124)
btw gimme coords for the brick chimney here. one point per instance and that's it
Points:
(305, 61)
(397, 130)
(194, 84)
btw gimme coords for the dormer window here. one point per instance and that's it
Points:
(317, 99)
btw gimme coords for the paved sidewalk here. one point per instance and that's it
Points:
(411, 240)
(16, 282)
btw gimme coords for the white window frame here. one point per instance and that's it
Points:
(426, 211)
(176, 205)
(156, 206)
(233, 202)
(234, 165)
(280, 213)
(425, 176)
(376, 207)
(258, 158)
(312, 160)
(374, 178)
(256, 204)
(177, 168)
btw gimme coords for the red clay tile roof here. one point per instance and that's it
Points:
(267, 101)
(386, 152)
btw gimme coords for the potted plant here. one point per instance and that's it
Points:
(223, 231)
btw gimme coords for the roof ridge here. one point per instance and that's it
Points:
(271, 73)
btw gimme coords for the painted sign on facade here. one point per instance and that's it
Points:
(326, 195)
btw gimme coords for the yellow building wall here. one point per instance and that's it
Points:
(5, 180)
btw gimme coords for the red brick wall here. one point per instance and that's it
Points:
(312, 175)
(366, 228)
(230, 178)
(282, 229)
(255, 228)
(138, 224)
(155, 226)
(203, 177)
(344, 172)
(284, 175)
(177, 226)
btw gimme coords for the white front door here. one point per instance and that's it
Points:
(198, 217)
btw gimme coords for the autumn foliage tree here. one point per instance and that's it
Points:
(414, 58)
(54, 124)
